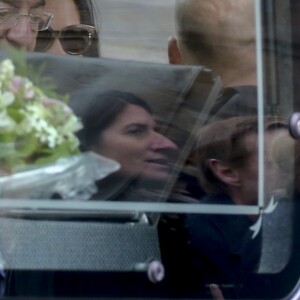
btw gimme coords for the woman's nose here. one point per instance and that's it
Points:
(163, 143)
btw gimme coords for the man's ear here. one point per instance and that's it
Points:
(225, 173)
(174, 54)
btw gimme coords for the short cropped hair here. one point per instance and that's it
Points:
(222, 30)
(224, 140)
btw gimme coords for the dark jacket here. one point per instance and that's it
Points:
(209, 248)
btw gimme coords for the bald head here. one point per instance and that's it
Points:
(216, 33)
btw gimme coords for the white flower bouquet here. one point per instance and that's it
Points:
(39, 151)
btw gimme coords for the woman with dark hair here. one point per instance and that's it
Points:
(72, 31)
(120, 126)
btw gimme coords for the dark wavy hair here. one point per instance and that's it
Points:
(98, 111)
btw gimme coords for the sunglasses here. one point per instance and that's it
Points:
(74, 39)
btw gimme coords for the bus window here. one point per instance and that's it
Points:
(149, 149)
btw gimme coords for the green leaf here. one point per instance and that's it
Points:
(27, 145)
(62, 151)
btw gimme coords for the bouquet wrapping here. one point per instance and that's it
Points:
(39, 150)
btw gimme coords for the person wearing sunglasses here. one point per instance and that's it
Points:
(21, 20)
(72, 30)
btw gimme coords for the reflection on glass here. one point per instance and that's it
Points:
(227, 158)
(120, 126)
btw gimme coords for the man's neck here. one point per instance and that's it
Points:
(235, 79)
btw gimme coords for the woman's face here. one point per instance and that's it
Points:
(133, 142)
(65, 14)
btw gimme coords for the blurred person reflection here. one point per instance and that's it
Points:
(20, 22)
(285, 152)
(219, 35)
(220, 248)
(120, 126)
(227, 158)
(227, 161)
(73, 29)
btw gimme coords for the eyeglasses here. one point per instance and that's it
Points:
(38, 21)
(74, 39)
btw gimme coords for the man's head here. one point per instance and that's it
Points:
(219, 34)
(227, 157)
(20, 21)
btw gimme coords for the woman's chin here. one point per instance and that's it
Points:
(160, 175)
(150, 173)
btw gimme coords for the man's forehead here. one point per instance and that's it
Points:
(27, 3)
(250, 140)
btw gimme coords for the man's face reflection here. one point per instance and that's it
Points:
(16, 28)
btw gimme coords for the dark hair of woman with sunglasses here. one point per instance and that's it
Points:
(72, 31)
(87, 16)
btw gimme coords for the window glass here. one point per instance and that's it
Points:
(148, 149)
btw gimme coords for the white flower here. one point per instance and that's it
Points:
(29, 116)
(72, 125)
(6, 99)
(52, 136)
(7, 69)
(36, 110)
(24, 127)
(6, 123)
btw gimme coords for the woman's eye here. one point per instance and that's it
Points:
(137, 131)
